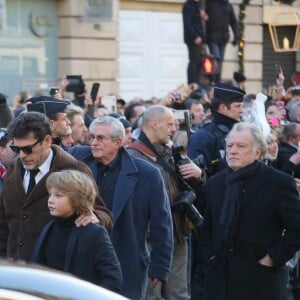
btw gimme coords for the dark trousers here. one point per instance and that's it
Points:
(194, 66)
(217, 50)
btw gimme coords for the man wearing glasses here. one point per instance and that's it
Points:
(23, 201)
(134, 191)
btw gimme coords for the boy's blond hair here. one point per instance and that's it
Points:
(78, 186)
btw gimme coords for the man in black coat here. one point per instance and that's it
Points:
(193, 37)
(252, 223)
(288, 159)
(220, 16)
(209, 141)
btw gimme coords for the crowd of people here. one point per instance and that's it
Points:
(191, 196)
(127, 190)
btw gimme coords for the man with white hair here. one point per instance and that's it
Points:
(252, 223)
(134, 191)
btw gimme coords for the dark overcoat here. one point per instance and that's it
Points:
(221, 16)
(89, 255)
(140, 200)
(269, 223)
(192, 27)
(23, 217)
(283, 162)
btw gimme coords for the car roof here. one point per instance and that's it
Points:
(49, 284)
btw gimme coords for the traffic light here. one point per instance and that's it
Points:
(208, 65)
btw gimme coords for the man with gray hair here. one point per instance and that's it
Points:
(252, 223)
(134, 191)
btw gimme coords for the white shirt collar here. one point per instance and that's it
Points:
(43, 170)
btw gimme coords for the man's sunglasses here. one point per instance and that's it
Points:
(26, 149)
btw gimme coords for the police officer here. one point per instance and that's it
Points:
(209, 141)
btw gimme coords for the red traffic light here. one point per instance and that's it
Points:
(208, 65)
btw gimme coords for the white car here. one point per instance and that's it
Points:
(27, 281)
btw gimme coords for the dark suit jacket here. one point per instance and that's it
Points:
(89, 255)
(221, 16)
(192, 27)
(23, 217)
(283, 162)
(269, 223)
(140, 200)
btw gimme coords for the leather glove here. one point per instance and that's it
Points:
(235, 42)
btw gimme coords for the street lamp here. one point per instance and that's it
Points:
(278, 21)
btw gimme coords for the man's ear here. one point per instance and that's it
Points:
(154, 124)
(119, 142)
(48, 139)
(51, 123)
(223, 108)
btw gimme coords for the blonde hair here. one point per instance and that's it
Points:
(78, 186)
(180, 137)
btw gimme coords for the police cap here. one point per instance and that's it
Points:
(47, 105)
(227, 93)
(122, 119)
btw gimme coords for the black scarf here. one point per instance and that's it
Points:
(229, 216)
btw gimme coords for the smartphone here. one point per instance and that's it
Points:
(278, 70)
(39, 107)
(110, 102)
(94, 90)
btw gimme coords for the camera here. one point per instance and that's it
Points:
(176, 152)
(53, 91)
(179, 160)
(176, 96)
(296, 91)
(75, 85)
(184, 203)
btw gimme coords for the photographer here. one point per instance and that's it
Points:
(152, 145)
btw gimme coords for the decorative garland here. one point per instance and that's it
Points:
(242, 16)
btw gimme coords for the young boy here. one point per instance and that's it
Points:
(85, 251)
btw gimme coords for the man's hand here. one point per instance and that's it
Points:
(198, 40)
(88, 101)
(295, 158)
(190, 170)
(266, 261)
(203, 15)
(168, 99)
(297, 180)
(234, 42)
(153, 281)
(84, 220)
(62, 85)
